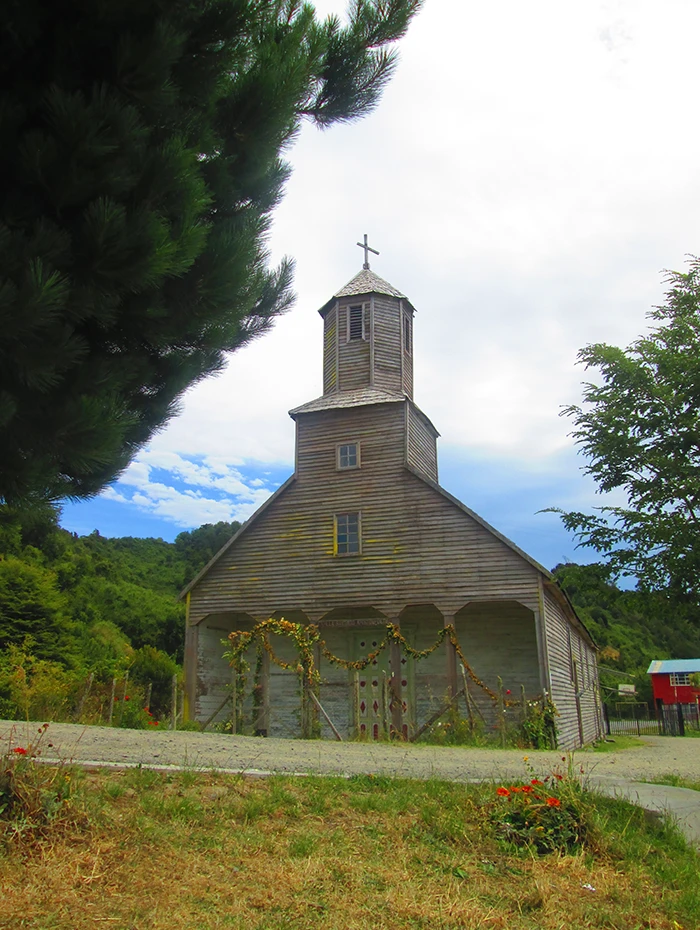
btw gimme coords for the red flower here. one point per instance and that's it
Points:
(526, 788)
(535, 781)
(20, 751)
(126, 697)
(508, 691)
(503, 792)
(553, 802)
(558, 777)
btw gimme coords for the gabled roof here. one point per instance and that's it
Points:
(360, 397)
(550, 581)
(669, 666)
(273, 497)
(480, 520)
(364, 282)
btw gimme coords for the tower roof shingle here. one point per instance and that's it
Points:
(364, 282)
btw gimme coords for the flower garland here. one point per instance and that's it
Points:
(305, 637)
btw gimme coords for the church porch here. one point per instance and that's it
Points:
(395, 693)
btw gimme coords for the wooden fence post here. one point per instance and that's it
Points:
(501, 713)
(124, 695)
(173, 704)
(79, 711)
(111, 702)
(467, 700)
(234, 701)
(149, 691)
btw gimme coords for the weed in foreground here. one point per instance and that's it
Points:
(546, 815)
(35, 799)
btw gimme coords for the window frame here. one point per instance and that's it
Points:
(363, 330)
(407, 333)
(343, 445)
(679, 679)
(336, 544)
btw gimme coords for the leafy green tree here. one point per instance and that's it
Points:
(199, 546)
(631, 628)
(31, 606)
(141, 164)
(640, 431)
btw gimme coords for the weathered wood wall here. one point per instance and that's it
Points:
(574, 678)
(417, 546)
(388, 355)
(330, 351)
(421, 445)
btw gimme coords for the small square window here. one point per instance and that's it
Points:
(347, 533)
(349, 455)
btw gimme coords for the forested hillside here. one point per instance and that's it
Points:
(73, 606)
(91, 604)
(630, 627)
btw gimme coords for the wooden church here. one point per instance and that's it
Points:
(362, 535)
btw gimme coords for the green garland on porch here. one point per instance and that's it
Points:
(306, 637)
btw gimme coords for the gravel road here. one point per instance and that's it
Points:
(71, 742)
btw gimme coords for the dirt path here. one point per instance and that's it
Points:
(659, 755)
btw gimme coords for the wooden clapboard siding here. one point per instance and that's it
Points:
(565, 645)
(408, 528)
(353, 355)
(510, 628)
(421, 445)
(421, 625)
(284, 691)
(213, 670)
(330, 351)
(387, 344)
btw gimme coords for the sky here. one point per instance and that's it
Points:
(529, 173)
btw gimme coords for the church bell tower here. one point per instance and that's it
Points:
(368, 336)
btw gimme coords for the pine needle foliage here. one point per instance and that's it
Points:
(142, 144)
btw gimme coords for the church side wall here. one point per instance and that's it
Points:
(571, 660)
(421, 451)
(387, 344)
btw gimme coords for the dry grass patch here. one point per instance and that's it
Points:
(179, 852)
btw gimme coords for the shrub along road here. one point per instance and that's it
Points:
(612, 772)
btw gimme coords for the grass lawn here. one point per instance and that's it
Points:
(616, 743)
(198, 851)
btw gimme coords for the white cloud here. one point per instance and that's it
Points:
(528, 173)
(230, 496)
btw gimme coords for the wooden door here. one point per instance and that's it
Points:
(373, 713)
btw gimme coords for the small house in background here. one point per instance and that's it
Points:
(671, 681)
(362, 535)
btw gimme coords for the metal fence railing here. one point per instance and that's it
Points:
(632, 719)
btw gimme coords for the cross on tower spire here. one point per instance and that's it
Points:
(367, 249)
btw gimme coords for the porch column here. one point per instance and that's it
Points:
(395, 685)
(451, 654)
(191, 647)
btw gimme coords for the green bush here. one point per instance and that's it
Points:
(548, 815)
